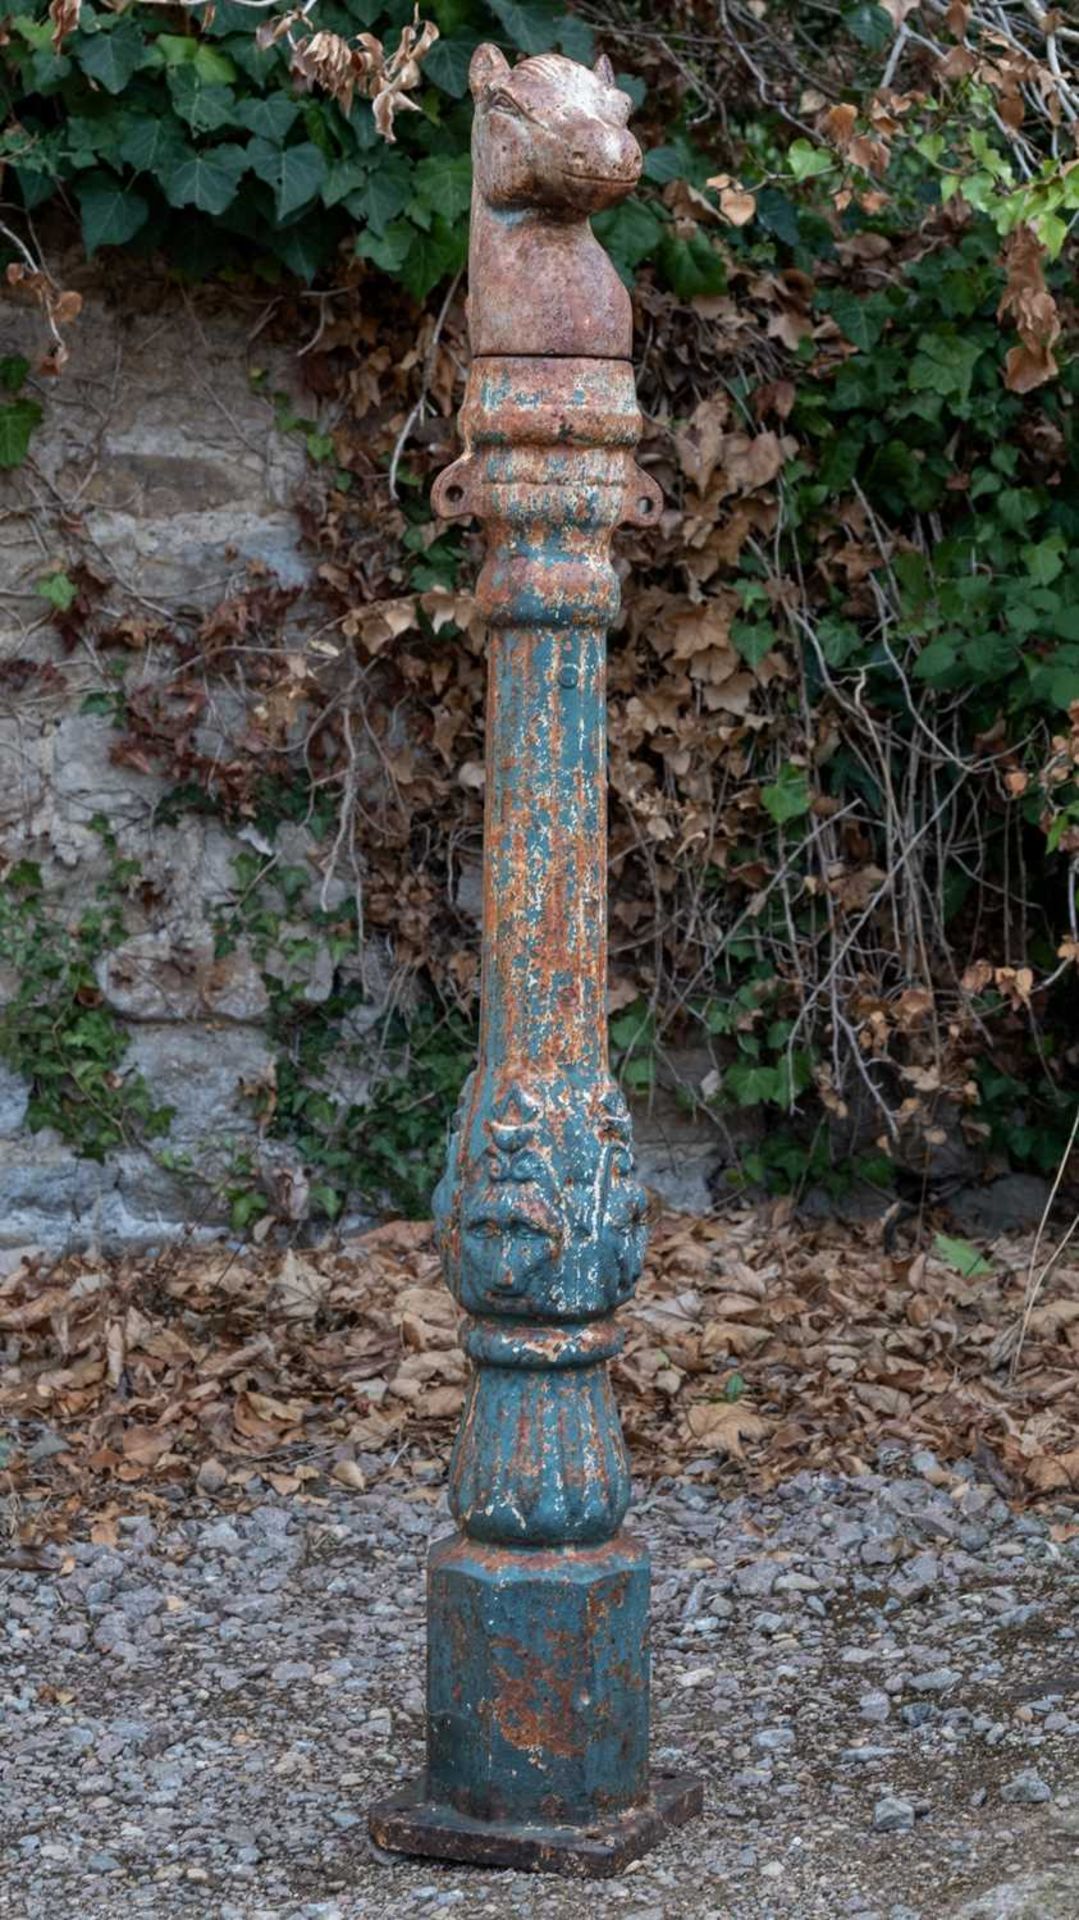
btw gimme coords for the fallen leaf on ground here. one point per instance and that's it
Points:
(767, 1343)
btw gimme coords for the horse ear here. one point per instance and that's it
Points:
(487, 65)
(604, 70)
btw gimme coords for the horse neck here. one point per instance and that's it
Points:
(492, 231)
(516, 262)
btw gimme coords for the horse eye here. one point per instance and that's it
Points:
(505, 103)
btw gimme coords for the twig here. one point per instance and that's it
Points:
(428, 370)
(896, 55)
(1035, 1283)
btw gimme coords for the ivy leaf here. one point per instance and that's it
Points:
(89, 134)
(633, 1028)
(305, 248)
(806, 161)
(787, 798)
(246, 1207)
(58, 590)
(576, 39)
(271, 118)
(13, 371)
(938, 662)
(991, 655)
(101, 703)
(328, 1199)
(111, 213)
(638, 1075)
(112, 55)
(176, 49)
(204, 107)
(432, 256)
(262, 65)
(151, 144)
(213, 67)
(1052, 231)
(1064, 690)
(444, 184)
(753, 642)
(384, 193)
(387, 250)
(751, 1084)
(532, 25)
(870, 25)
(34, 33)
(17, 422)
(343, 177)
(207, 179)
(838, 639)
(960, 1255)
(944, 364)
(535, 26)
(1044, 561)
(630, 233)
(294, 173)
(691, 267)
(662, 164)
(857, 318)
(35, 185)
(448, 62)
(778, 215)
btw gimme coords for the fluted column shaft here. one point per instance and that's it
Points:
(537, 1646)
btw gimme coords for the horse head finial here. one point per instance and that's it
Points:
(551, 134)
(551, 146)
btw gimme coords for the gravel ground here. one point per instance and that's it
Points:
(878, 1679)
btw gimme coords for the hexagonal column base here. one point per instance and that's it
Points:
(407, 1822)
(537, 1713)
(537, 1679)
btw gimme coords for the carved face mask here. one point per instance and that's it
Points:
(512, 1243)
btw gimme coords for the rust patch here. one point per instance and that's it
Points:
(534, 1703)
(540, 1215)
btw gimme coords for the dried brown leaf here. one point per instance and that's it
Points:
(721, 1426)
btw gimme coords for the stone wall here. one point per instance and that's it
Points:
(158, 465)
(159, 468)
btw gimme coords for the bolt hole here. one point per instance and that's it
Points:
(455, 494)
(645, 505)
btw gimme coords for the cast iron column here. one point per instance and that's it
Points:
(537, 1671)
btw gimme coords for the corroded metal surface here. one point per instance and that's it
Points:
(538, 1680)
(550, 146)
(538, 1668)
(409, 1823)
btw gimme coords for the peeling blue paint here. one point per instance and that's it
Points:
(540, 1214)
(538, 1664)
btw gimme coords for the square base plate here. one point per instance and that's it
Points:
(406, 1822)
